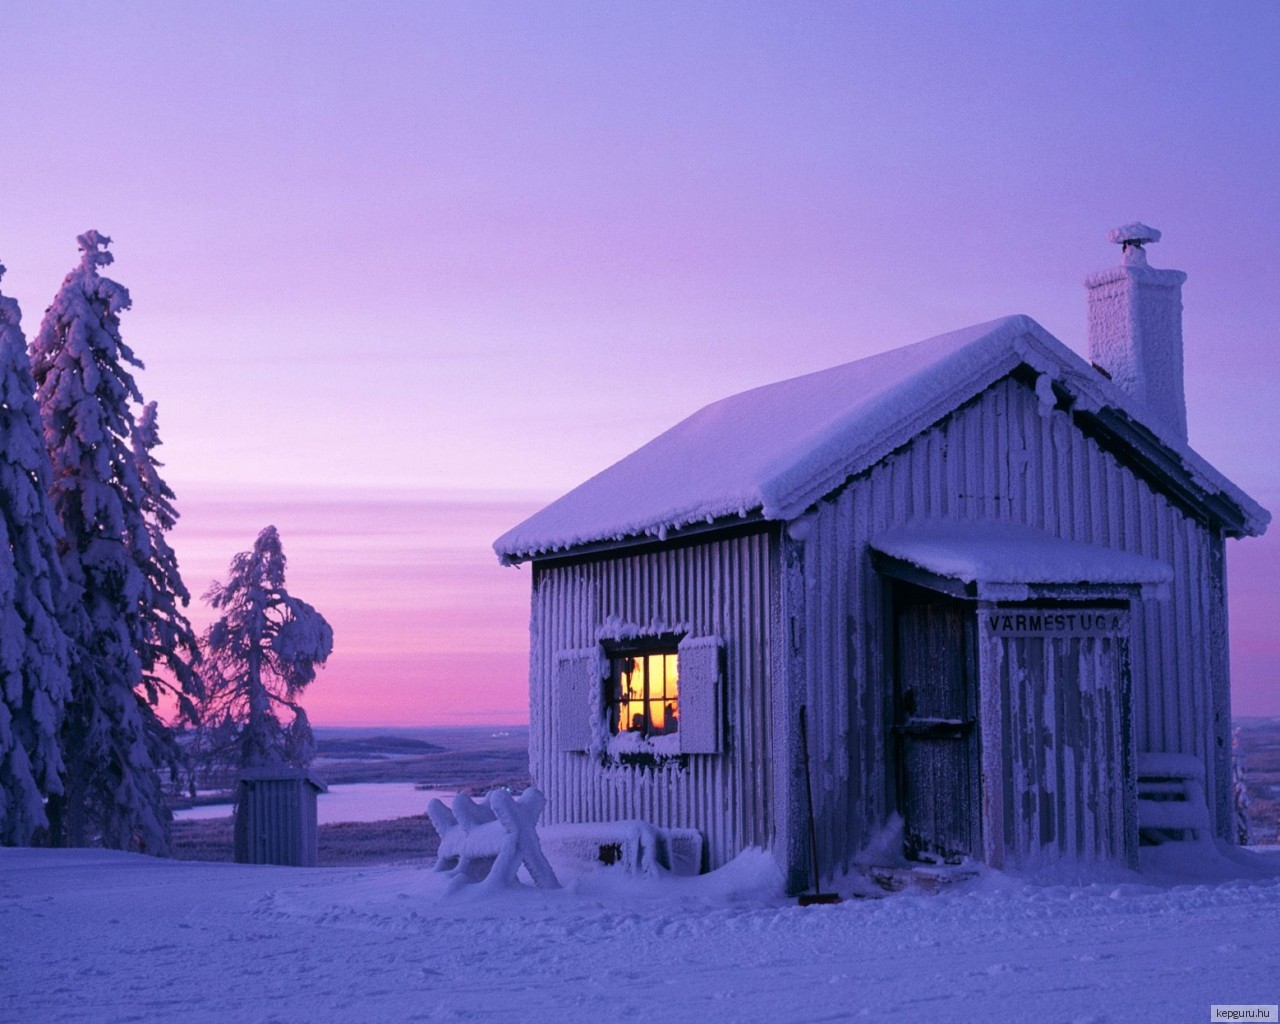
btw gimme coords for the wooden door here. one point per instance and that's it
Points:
(1061, 750)
(936, 771)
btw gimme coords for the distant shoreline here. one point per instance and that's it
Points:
(464, 759)
(345, 844)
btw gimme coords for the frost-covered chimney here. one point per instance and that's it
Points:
(1135, 328)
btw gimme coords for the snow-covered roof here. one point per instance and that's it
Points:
(775, 450)
(999, 553)
(283, 773)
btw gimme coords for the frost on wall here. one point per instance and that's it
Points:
(34, 684)
(701, 682)
(576, 699)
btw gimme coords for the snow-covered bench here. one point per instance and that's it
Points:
(636, 845)
(487, 842)
(472, 838)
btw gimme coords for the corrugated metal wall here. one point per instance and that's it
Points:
(720, 587)
(997, 459)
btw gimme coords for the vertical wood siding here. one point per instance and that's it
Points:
(1063, 735)
(997, 459)
(722, 588)
(276, 822)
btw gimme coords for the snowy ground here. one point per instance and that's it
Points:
(97, 936)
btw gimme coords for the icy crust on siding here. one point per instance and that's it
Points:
(983, 553)
(700, 685)
(576, 698)
(775, 450)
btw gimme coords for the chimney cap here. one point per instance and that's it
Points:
(1131, 238)
(1136, 233)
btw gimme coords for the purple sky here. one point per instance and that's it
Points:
(403, 271)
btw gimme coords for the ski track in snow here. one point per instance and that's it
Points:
(93, 936)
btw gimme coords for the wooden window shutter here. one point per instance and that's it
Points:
(576, 698)
(701, 685)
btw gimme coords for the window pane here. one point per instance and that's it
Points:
(643, 696)
(669, 662)
(662, 717)
(635, 678)
(630, 710)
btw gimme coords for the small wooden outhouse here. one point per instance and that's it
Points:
(991, 570)
(275, 817)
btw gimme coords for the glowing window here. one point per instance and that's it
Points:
(644, 692)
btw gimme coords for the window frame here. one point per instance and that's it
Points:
(615, 651)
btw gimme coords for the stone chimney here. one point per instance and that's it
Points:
(1135, 329)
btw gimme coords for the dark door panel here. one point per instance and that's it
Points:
(935, 727)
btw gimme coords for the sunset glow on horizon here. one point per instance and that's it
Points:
(404, 273)
(429, 629)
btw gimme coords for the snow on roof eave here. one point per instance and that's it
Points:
(1238, 513)
(1175, 460)
(692, 526)
(992, 558)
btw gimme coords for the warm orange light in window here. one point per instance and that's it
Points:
(633, 681)
(664, 685)
(648, 694)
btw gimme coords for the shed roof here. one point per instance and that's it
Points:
(283, 773)
(775, 450)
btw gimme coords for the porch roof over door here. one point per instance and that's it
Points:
(1007, 562)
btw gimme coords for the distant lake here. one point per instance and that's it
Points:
(356, 801)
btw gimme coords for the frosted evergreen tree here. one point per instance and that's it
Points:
(167, 644)
(259, 657)
(111, 734)
(33, 650)
(169, 648)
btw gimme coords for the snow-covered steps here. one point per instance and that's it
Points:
(923, 877)
(1171, 800)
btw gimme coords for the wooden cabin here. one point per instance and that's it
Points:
(990, 570)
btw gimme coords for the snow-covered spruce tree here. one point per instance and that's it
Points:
(33, 650)
(167, 644)
(112, 734)
(259, 657)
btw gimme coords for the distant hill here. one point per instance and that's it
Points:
(366, 748)
(460, 758)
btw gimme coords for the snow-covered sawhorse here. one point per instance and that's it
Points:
(488, 841)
